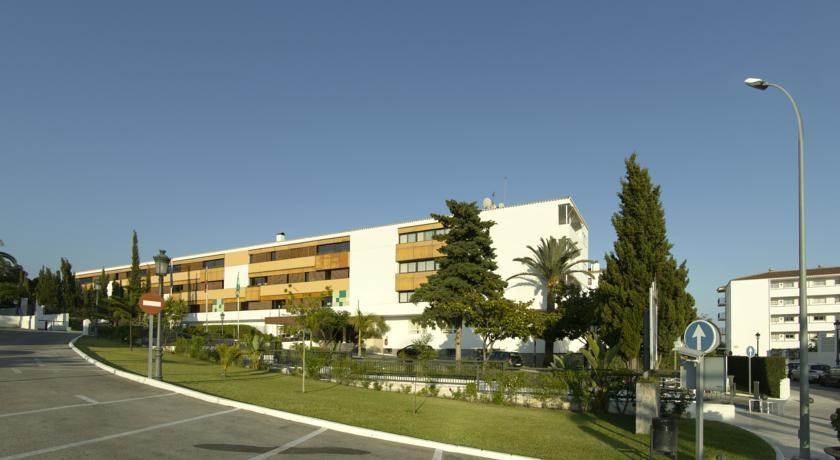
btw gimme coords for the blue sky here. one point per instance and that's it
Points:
(208, 125)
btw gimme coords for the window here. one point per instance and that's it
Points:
(776, 284)
(215, 263)
(816, 300)
(334, 247)
(791, 301)
(790, 336)
(87, 280)
(178, 288)
(258, 281)
(278, 304)
(177, 268)
(818, 282)
(405, 296)
(427, 265)
(327, 301)
(790, 319)
(244, 306)
(194, 308)
(818, 318)
(426, 235)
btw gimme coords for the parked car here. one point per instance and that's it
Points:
(815, 371)
(830, 378)
(510, 359)
(793, 368)
(412, 352)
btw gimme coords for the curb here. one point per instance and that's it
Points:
(334, 426)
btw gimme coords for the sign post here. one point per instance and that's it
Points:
(151, 304)
(750, 354)
(700, 337)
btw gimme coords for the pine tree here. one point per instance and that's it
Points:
(641, 252)
(135, 290)
(70, 296)
(466, 270)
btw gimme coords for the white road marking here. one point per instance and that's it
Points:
(288, 445)
(16, 371)
(71, 406)
(438, 455)
(85, 398)
(114, 436)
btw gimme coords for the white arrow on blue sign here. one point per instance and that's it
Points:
(750, 351)
(702, 336)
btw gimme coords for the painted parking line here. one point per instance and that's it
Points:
(89, 400)
(114, 436)
(71, 406)
(438, 455)
(288, 445)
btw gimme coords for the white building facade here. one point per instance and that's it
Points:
(375, 269)
(767, 304)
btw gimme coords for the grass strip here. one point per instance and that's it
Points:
(542, 433)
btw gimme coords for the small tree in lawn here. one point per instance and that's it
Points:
(227, 356)
(368, 326)
(500, 319)
(466, 270)
(174, 311)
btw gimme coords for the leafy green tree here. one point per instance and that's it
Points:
(551, 267)
(499, 319)
(368, 326)
(466, 270)
(641, 252)
(174, 311)
(69, 289)
(46, 291)
(318, 319)
(575, 314)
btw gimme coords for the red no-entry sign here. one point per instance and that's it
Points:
(151, 303)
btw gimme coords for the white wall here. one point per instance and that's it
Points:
(747, 312)
(230, 277)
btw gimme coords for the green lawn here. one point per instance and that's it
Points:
(525, 431)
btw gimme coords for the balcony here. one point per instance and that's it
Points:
(721, 301)
(722, 316)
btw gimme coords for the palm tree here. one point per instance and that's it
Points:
(550, 268)
(227, 356)
(373, 326)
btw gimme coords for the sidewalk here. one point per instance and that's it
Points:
(782, 430)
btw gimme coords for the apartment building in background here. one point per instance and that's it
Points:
(768, 304)
(374, 269)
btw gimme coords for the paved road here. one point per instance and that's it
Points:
(55, 405)
(783, 430)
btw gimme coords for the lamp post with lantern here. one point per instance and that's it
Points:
(161, 269)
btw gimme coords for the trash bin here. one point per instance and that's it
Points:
(663, 436)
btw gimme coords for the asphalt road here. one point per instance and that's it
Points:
(55, 405)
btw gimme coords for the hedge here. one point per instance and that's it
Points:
(767, 371)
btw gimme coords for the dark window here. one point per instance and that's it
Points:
(178, 288)
(338, 274)
(194, 308)
(86, 280)
(297, 277)
(176, 268)
(215, 263)
(326, 302)
(278, 303)
(215, 285)
(259, 281)
(334, 247)
(244, 306)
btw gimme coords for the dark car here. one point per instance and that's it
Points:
(830, 377)
(510, 359)
(413, 352)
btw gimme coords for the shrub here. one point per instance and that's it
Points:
(197, 347)
(835, 422)
(377, 386)
(406, 389)
(471, 392)
(182, 346)
(767, 371)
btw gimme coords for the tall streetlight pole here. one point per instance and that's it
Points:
(757, 336)
(161, 268)
(837, 342)
(804, 396)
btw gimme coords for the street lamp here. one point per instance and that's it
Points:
(161, 269)
(837, 343)
(222, 315)
(804, 397)
(757, 336)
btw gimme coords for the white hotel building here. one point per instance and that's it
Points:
(768, 304)
(375, 268)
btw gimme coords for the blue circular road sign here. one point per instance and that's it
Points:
(750, 351)
(702, 336)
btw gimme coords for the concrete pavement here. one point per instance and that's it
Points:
(55, 405)
(782, 430)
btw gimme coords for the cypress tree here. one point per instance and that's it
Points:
(46, 290)
(467, 270)
(640, 253)
(135, 290)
